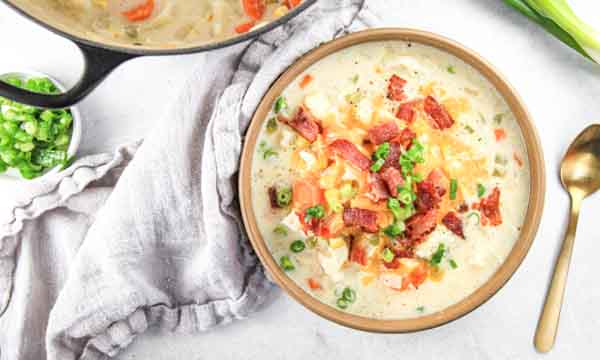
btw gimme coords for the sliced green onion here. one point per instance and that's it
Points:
(342, 303)
(395, 229)
(453, 263)
(498, 118)
(476, 215)
(286, 264)
(315, 212)
(480, 190)
(297, 246)
(388, 255)
(271, 125)
(405, 196)
(395, 208)
(436, 258)
(284, 196)
(453, 188)
(280, 105)
(311, 242)
(349, 295)
(451, 69)
(421, 309)
(377, 165)
(382, 151)
(280, 230)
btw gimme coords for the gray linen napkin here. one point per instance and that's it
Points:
(118, 243)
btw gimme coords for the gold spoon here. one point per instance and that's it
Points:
(580, 176)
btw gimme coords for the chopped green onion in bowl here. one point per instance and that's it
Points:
(35, 141)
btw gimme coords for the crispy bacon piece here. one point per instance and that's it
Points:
(304, 123)
(396, 88)
(402, 247)
(420, 225)
(490, 207)
(349, 152)
(463, 208)
(330, 226)
(273, 198)
(406, 137)
(428, 197)
(394, 264)
(377, 188)
(392, 159)
(366, 219)
(454, 224)
(358, 254)
(407, 112)
(393, 178)
(438, 115)
(382, 133)
(439, 180)
(313, 284)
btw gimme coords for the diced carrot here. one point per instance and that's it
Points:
(313, 284)
(293, 3)
(518, 159)
(141, 12)
(254, 8)
(305, 81)
(500, 134)
(244, 28)
(306, 193)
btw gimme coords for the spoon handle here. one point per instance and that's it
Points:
(548, 324)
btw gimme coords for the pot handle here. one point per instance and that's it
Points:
(98, 63)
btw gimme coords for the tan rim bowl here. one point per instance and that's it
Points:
(515, 257)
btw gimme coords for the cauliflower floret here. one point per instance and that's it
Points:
(293, 223)
(332, 260)
(318, 104)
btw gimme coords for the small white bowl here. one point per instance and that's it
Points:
(76, 126)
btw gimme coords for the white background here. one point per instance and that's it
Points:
(562, 91)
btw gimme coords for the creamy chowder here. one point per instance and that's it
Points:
(390, 180)
(158, 23)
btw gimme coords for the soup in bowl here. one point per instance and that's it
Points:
(391, 181)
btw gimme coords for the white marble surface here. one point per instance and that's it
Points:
(562, 91)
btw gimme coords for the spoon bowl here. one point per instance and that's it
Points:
(580, 168)
(580, 176)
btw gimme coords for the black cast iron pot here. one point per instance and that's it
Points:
(101, 58)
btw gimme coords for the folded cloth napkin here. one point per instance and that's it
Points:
(118, 243)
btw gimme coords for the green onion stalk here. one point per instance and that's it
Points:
(558, 18)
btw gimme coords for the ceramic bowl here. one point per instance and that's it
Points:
(515, 257)
(13, 173)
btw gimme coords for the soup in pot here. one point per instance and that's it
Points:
(390, 180)
(158, 23)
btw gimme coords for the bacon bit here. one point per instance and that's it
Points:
(366, 219)
(304, 123)
(454, 224)
(330, 226)
(438, 115)
(518, 159)
(394, 264)
(292, 3)
(349, 152)
(393, 178)
(439, 180)
(402, 247)
(141, 12)
(358, 255)
(490, 207)
(273, 198)
(245, 27)
(420, 225)
(382, 133)
(392, 159)
(463, 208)
(313, 284)
(500, 134)
(396, 88)
(377, 188)
(407, 112)
(406, 137)
(428, 196)
(307, 79)
(254, 8)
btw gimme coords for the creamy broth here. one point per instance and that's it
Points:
(158, 23)
(473, 157)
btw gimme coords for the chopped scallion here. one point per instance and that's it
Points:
(453, 188)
